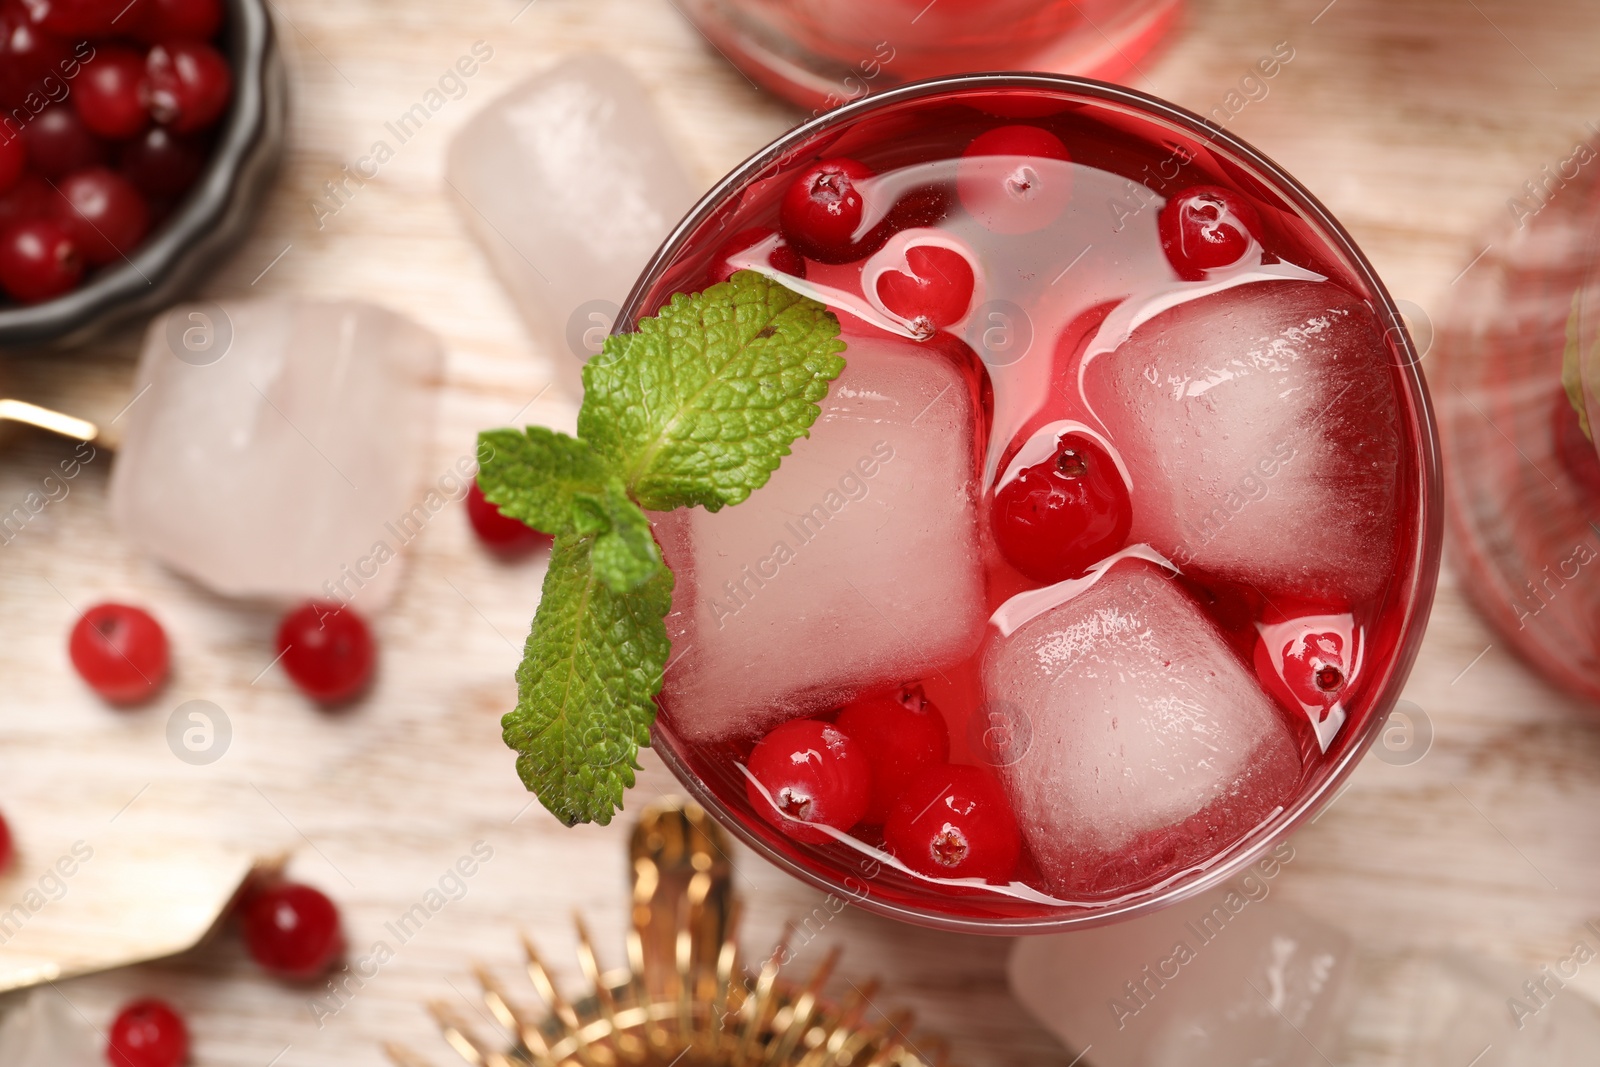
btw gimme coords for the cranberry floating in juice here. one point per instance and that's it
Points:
(1129, 480)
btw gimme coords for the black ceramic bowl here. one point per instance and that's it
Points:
(213, 217)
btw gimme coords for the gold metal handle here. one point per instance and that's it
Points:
(54, 421)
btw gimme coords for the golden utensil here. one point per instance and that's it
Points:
(686, 998)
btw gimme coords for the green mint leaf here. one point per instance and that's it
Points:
(586, 687)
(625, 554)
(534, 474)
(703, 402)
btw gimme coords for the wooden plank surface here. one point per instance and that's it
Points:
(1414, 122)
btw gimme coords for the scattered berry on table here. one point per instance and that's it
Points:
(327, 650)
(120, 651)
(292, 930)
(499, 531)
(148, 1033)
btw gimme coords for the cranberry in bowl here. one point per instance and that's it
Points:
(1113, 543)
(138, 142)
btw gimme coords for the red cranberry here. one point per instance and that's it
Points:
(919, 208)
(933, 292)
(31, 198)
(1205, 228)
(189, 85)
(1314, 668)
(1002, 185)
(814, 774)
(955, 822)
(901, 732)
(38, 261)
(292, 930)
(6, 848)
(148, 1033)
(120, 651)
(59, 143)
(27, 56)
(162, 164)
(110, 92)
(176, 20)
(507, 536)
(13, 158)
(76, 18)
(1056, 518)
(106, 216)
(822, 209)
(782, 258)
(327, 650)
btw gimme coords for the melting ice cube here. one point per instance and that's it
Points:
(569, 185)
(47, 1031)
(857, 565)
(1460, 1008)
(1152, 747)
(275, 448)
(1231, 979)
(1261, 426)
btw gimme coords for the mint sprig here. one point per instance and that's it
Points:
(697, 408)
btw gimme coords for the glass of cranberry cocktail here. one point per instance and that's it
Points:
(1113, 544)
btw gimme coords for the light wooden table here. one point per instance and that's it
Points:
(1414, 122)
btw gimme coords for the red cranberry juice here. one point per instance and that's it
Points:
(1076, 269)
(917, 40)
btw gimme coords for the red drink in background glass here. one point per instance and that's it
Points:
(821, 53)
(1524, 493)
(1154, 313)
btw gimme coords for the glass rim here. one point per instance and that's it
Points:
(1421, 450)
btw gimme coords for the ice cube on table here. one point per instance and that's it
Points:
(1462, 1009)
(47, 1031)
(275, 448)
(1152, 747)
(569, 185)
(1234, 979)
(1263, 432)
(856, 565)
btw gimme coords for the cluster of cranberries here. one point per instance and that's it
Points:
(107, 106)
(121, 652)
(884, 762)
(1055, 518)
